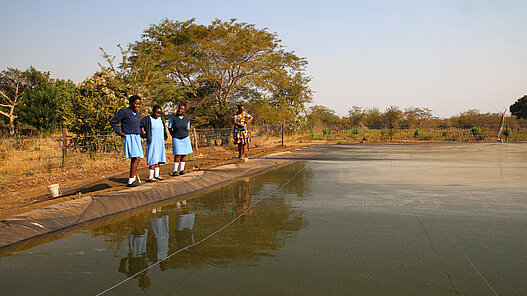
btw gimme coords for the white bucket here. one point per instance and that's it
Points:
(54, 190)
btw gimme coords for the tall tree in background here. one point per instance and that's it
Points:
(211, 66)
(44, 100)
(321, 116)
(519, 108)
(415, 116)
(356, 116)
(12, 86)
(98, 98)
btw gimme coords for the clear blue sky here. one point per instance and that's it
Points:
(446, 55)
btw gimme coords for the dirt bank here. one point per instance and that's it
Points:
(109, 181)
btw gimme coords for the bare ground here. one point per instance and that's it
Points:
(92, 183)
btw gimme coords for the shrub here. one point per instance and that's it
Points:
(476, 131)
(340, 142)
(507, 132)
(416, 133)
(325, 131)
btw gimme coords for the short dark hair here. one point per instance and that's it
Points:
(156, 107)
(239, 106)
(182, 104)
(133, 98)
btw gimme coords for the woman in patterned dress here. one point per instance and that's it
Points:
(241, 132)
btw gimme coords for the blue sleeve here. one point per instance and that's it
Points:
(170, 123)
(115, 120)
(142, 126)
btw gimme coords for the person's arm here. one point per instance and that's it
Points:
(115, 121)
(143, 127)
(250, 118)
(164, 129)
(236, 123)
(171, 125)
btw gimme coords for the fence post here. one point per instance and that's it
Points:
(282, 128)
(64, 148)
(195, 140)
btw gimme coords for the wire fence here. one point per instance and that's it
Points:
(27, 157)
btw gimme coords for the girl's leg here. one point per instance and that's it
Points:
(156, 172)
(183, 159)
(134, 163)
(177, 159)
(240, 148)
(244, 149)
(151, 169)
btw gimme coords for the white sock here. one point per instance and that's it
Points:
(150, 174)
(156, 172)
(175, 166)
(181, 166)
(131, 180)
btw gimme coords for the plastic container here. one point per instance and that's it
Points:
(54, 190)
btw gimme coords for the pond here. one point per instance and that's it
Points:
(400, 219)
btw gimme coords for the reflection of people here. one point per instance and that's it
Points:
(160, 228)
(184, 225)
(241, 131)
(156, 135)
(179, 126)
(243, 200)
(136, 259)
(130, 120)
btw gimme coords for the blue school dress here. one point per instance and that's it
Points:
(155, 150)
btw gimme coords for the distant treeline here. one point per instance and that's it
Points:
(212, 68)
(413, 117)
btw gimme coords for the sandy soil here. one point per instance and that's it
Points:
(98, 183)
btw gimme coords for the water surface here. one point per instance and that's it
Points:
(426, 219)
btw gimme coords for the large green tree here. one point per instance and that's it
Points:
(44, 100)
(213, 66)
(519, 108)
(97, 100)
(322, 116)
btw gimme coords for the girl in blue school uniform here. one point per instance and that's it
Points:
(179, 126)
(154, 131)
(130, 121)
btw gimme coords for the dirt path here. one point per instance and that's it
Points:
(98, 183)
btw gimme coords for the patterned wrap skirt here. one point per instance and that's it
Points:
(241, 136)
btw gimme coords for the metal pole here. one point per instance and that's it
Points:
(282, 127)
(64, 148)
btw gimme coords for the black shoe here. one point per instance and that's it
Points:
(182, 172)
(135, 183)
(159, 178)
(174, 173)
(151, 180)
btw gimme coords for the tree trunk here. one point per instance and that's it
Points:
(11, 125)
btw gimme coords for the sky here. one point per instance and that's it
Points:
(449, 56)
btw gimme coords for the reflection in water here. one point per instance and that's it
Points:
(174, 227)
(184, 225)
(135, 262)
(137, 241)
(243, 200)
(159, 224)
